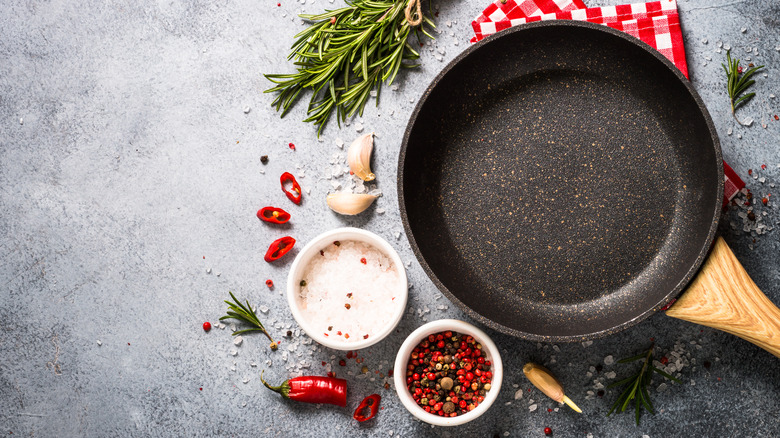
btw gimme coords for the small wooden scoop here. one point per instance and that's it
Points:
(548, 384)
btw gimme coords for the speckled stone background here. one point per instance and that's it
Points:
(129, 179)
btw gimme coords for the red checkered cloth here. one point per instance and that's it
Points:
(656, 23)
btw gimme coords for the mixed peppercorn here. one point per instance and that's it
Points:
(448, 374)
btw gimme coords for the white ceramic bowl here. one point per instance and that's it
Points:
(313, 248)
(402, 359)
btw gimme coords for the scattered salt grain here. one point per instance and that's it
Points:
(610, 375)
(748, 121)
(99, 343)
(743, 30)
(246, 380)
(518, 394)
(238, 340)
(380, 211)
(662, 387)
(21, 121)
(233, 327)
(263, 309)
(730, 131)
(246, 110)
(609, 360)
(208, 270)
(233, 352)
(587, 344)
(359, 127)
(532, 407)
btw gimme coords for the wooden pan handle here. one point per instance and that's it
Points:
(724, 297)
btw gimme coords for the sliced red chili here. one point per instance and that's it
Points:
(294, 193)
(278, 248)
(371, 403)
(273, 215)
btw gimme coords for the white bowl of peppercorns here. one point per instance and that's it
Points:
(448, 372)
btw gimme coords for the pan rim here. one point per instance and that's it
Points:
(664, 301)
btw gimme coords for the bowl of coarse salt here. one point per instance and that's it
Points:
(347, 288)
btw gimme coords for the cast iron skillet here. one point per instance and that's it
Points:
(560, 181)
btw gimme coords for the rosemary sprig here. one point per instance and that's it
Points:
(636, 385)
(738, 82)
(344, 55)
(245, 314)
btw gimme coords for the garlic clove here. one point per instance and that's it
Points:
(548, 384)
(349, 203)
(359, 157)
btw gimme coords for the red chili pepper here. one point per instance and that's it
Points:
(273, 215)
(278, 248)
(312, 389)
(372, 403)
(294, 194)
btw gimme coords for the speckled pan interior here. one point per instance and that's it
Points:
(560, 181)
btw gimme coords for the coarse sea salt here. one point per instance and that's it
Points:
(341, 294)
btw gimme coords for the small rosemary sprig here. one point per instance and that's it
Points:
(738, 82)
(245, 314)
(637, 385)
(344, 55)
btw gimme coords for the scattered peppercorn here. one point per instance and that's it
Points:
(600, 393)
(206, 327)
(289, 333)
(303, 283)
(363, 260)
(264, 159)
(337, 243)
(751, 215)
(347, 306)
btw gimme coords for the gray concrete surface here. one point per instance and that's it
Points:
(129, 179)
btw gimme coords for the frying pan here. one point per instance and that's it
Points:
(561, 181)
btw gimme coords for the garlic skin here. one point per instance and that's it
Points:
(349, 203)
(359, 157)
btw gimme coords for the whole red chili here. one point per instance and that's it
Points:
(312, 389)
(278, 248)
(371, 403)
(273, 215)
(206, 326)
(294, 194)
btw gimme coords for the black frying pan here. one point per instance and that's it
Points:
(560, 181)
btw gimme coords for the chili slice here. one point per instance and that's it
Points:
(273, 215)
(278, 248)
(372, 403)
(312, 389)
(294, 194)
